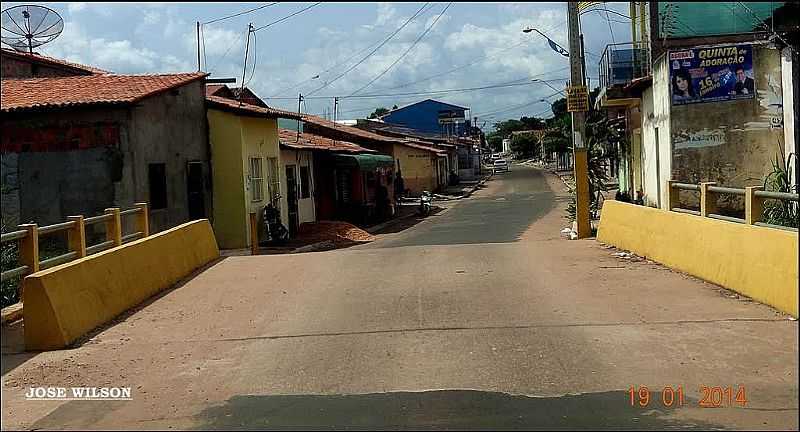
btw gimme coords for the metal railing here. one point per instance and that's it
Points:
(621, 63)
(754, 197)
(28, 238)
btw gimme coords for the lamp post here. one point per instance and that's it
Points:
(556, 47)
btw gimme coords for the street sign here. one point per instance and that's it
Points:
(577, 99)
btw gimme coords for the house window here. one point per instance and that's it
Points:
(157, 177)
(273, 179)
(304, 182)
(256, 179)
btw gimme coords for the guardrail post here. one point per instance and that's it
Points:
(253, 234)
(708, 199)
(76, 236)
(28, 253)
(143, 219)
(753, 205)
(114, 226)
(673, 195)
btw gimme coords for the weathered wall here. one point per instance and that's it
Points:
(790, 71)
(230, 212)
(16, 68)
(168, 128)
(731, 142)
(418, 168)
(81, 161)
(57, 165)
(656, 151)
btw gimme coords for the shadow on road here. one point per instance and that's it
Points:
(408, 222)
(441, 409)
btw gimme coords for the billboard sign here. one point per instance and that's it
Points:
(712, 74)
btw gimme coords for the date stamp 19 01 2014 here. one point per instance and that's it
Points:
(674, 397)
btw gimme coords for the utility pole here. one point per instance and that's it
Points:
(581, 169)
(246, 51)
(198, 46)
(299, 102)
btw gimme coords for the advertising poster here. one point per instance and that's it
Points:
(712, 74)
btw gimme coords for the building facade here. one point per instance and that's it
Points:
(80, 144)
(701, 104)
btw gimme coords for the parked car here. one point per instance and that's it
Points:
(500, 165)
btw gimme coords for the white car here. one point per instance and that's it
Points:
(500, 165)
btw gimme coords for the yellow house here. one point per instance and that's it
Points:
(245, 166)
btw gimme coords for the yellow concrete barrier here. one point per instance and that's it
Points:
(65, 302)
(758, 262)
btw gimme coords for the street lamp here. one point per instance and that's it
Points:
(556, 47)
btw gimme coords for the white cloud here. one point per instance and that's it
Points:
(119, 56)
(386, 14)
(75, 7)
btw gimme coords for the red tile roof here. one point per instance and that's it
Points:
(62, 92)
(42, 59)
(212, 89)
(242, 108)
(360, 133)
(307, 141)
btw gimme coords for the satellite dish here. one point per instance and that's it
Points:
(26, 27)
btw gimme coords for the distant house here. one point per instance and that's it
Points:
(247, 169)
(423, 166)
(463, 155)
(79, 144)
(17, 64)
(431, 116)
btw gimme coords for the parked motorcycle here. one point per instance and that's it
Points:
(276, 232)
(425, 203)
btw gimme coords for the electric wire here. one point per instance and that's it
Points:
(328, 83)
(405, 53)
(286, 17)
(240, 13)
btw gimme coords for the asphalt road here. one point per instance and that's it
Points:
(478, 324)
(517, 199)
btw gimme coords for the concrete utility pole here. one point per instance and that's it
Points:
(576, 65)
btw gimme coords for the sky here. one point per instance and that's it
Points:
(330, 38)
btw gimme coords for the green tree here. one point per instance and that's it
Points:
(379, 112)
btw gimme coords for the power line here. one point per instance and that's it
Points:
(328, 69)
(241, 13)
(472, 63)
(287, 17)
(416, 41)
(371, 52)
(225, 54)
(373, 96)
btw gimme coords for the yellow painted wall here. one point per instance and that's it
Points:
(63, 303)
(234, 140)
(260, 137)
(227, 171)
(418, 168)
(758, 262)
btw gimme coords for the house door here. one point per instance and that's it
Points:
(194, 186)
(291, 199)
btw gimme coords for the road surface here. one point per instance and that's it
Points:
(480, 317)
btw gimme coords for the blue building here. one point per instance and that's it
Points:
(432, 117)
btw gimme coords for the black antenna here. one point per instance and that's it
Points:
(26, 27)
